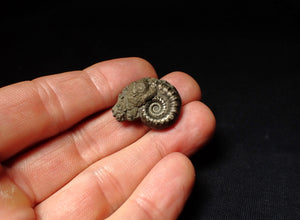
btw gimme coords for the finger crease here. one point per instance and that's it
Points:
(104, 177)
(46, 89)
(159, 146)
(25, 186)
(148, 207)
(79, 140)
(99, 86)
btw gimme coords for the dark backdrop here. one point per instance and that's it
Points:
(244, 55)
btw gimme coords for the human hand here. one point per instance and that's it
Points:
(64, 156)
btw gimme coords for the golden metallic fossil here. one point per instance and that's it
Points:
(156, 102)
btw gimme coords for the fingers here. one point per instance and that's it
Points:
(162, 193)
(68, 154)
(106, 184)
(34, 110)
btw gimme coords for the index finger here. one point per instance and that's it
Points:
(34, 110)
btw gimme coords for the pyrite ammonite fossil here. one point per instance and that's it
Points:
(156, 102)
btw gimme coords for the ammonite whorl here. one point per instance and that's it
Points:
(156, 102)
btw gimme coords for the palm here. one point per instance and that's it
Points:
(81, 167)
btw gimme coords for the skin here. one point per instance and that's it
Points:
(64, 156)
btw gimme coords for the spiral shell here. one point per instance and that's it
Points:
(156, 102)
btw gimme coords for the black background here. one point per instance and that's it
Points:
(244, 55)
